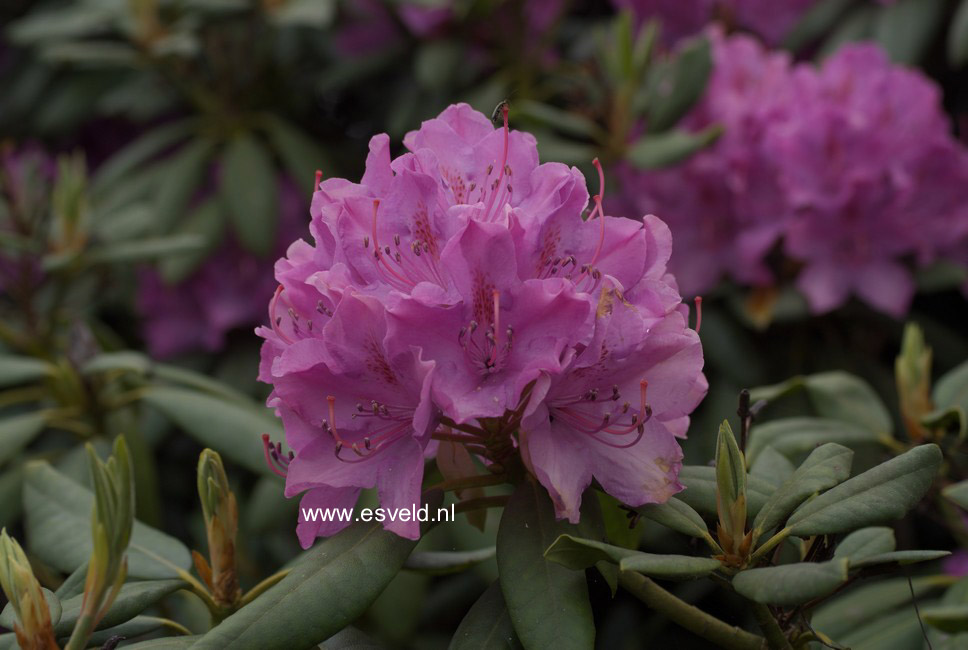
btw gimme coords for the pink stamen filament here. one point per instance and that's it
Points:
(504, 161)
(587, 424)
(497, 322)
(275, 320)
(378, 252)
(273, 459)
(598, 208)
(369, 445)
(319, 179)
(698, 302)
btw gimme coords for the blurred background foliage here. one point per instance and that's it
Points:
(156, 157)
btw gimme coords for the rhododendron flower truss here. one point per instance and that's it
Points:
(464, 292)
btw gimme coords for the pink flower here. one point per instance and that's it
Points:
(458, 288)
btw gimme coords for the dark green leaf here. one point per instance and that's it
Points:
(952, 389)
(577, 553)
(168, 643)
(772, 466)
(866, 542)
(856, 25)
(11, 495)
(125, 361)
(206, 222)
(898, 557)
(487, 626)
(867, 602)
(91, 54)
(138, 152)
(59, 528)
(824, 468)
(668, 148)
(678, 516)
(958, 493)
(675, 85)
(8, 618)
(16, 433)
(81, 19)
(883, 493)
(947, 618)
(791, 584)
(557, 119)
(906, 28)
(795, 436)
(300, 155)
(445, 562)
(229, 427)
(145, 249)
(817, 21)
(548, 604)
(185, 172)
(134, 598)
(327, 589)
(250, 190)
(317, 14)
(958, 36)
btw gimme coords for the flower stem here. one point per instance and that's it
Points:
(483, 502)
(262, 587)
(483, 480)
(688, 616)
(771, 629)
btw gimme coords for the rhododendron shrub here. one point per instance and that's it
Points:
(464, 292)
(849, 170)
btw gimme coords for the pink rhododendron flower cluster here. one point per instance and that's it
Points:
(223, 294)
(456, 293)
(848, 168)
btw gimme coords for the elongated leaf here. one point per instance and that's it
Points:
(350, 638)
(185, 172)
(866, 542)
(487, 626)
(130, 629)
(906, 28)
(898, 557)
(299, 153)
(16, 433)
(795, 436)
(670, 147)
(145, 249)
(958, 36)
(126, 361)
(445, 562)
(791, 584)
(8, 618)
(816, 22)
(230, 428)
(772, 466)
(73, 584)
(677, 515)
(675, 85)
(330, 586)
(947, 618)
(883, 493)
(206, 222)
(824, 468)
(958, 493)
(867, 602)
(11, 491)
(168, 643)
(22, 370)
(548, 603)
(557, 118)
(700, 492)
(140, 151)
(898, 630)
(249, 189)
(952, 389)
(134, 598)
(577, 553)
(59, 523)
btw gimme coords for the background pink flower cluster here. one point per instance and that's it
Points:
(848, 169)
(457, 288)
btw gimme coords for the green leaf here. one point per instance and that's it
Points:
(950, 421)
(856, 25)
(134, 598)
(655, 151)
(73, 584)
(900, 630)
(316, 14)
(144, 249)
(487, 626)
(250, 190)
(185, 171)
(350, 638)
(548, 604)
(898, 557)
(958, 36)
(8, 618)
(824, 468)
(947, 618)
(71, 21)
(677, 515)
(772, 466)
(231, 428)
(11, 495)
(906, 28)
(817, 21)
(138, 152)
(327, 589)
(883, 493)
(91, 54)
(952, 389)
(167, 643)
(866, 603)
(297, 150)
(58, 522)
(866, 542)
(18, 431)
(957, 493)
(438, 563)
(207, 223)
(675, 85)
(125, 361)
(557, 118)
(700, 492)
(795, 436)
(577, 553)
(791, 584)
(22, 370)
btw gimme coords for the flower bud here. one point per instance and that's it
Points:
(33, 627)
(912, 373)
(221, 526)
(731, 496)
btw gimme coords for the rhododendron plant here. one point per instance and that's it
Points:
(460, 293)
